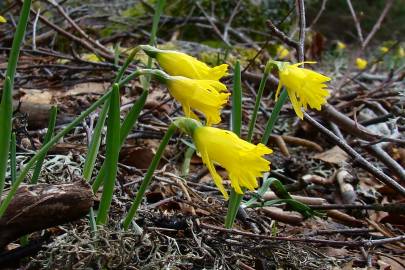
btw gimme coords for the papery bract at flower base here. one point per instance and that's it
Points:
(205, 96)
(305, 87)
(243, 161)
(180, 64)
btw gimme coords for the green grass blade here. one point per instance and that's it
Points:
(4, 204)
(6, 105)
(185, 168)
(51, 126)
(94, 146)
(148, 177)
(263, 81)
(112, 153)
(17, 41)
(274, 115)
(126, 127)
(153, 34)
(13, 161)
(95, 143)
(6, 116)
(237, 100)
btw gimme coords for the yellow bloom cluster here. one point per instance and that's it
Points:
(196, 86)
(2, 19)
(193, 83)
(304, 87)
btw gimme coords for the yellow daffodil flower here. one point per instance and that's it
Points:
(282, 52)
(243, 161)
(181, 64)
(205, 96)
(383, 49)
(340, 45)
(2, 19)
(361, 63)
(304, 87)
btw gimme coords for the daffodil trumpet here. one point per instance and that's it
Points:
(205, 96)
(180, 64)
(243, 161)
(303, 86)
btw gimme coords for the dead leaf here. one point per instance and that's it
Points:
(334, 155)
(86, 88)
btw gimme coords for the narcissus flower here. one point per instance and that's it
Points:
(304, 87)
(282, 52)
(361, 63)
(2, 19)
(205, 96)
(340, 45)
(181, 64)
(383, 49)
(243, 161)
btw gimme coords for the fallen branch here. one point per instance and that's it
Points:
(42, 206)
(357, 157)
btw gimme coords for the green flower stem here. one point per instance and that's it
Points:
(51, 126)
(233, 207)
(274, 115)
(235, 198)
(148, 177)
(237, 101)
(6, 105)
(13, 161)
(47, 146)
(263, 81)
(112, 153)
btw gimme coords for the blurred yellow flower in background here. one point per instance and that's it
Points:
(282, 52)
(401, 52)
(361, 63)
(340, 45)
(2, 19)
(91, 57)
(243, 161)
(383, 49)
(304, 87)
(205, 96)
(180, 64)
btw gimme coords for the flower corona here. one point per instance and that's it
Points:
(243, 161)
(304, 87)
